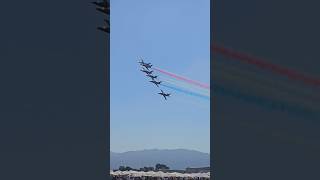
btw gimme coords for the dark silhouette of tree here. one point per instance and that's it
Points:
(125, 168)
(122, 168)
(162, 167)
(146, 169)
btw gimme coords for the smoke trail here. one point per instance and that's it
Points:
(185, 91)
(266, 102)
(266, 91)
(291, 74)
(275, 83)
(185, 86)
(182, 78)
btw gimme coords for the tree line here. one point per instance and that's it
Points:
(157, 167)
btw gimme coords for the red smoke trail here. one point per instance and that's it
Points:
(182, 78)
(264, 65)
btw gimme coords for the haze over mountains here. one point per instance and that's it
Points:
(175, 158)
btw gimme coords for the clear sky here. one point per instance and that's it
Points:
(172, 35)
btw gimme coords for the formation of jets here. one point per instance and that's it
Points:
(104, 7)
(145, 69)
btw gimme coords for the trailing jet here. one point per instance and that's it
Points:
(146, 71)
(156, 83)
(103, 9)
(104, 28)
(164, 94)
(152, 77)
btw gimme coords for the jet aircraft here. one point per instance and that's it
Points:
(101, 3)
(146, 65)
(164, 94)
(146, 71)
(104, 28)
(102, 6)
(152, 77)
(156, 83)
(103, 9)
(141, 61)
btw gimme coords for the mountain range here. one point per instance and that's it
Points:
(178, 159)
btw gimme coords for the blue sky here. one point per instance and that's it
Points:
(172, 35)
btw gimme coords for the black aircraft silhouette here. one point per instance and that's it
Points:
(146, 65)
(152, 77)
(141, 62)
(164, 94)
(103, 9)
(146, 71)
(101, 4)
(104, 28)
(156, 83)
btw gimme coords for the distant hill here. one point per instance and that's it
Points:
(178, 159)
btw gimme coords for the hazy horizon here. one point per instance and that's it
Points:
(157, 149)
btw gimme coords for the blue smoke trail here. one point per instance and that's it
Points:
(186, 88)
(266, 102)
(186, 92)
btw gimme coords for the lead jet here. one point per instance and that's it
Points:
(146, 71)
(101, 3)
(156, 83)
(141, 61)
(103, 6)
(164, 94)
(152, 77)
(146, 65)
